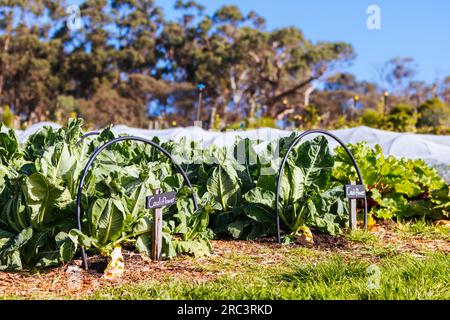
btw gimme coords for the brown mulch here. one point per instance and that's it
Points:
(71, 281)
(412, 244)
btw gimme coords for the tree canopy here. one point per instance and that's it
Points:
(128, 63)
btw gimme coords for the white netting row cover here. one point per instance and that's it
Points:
(432, 148)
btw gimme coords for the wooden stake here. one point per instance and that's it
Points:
(157, 232)
(352, 212)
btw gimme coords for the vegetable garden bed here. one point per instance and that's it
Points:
(235, 187)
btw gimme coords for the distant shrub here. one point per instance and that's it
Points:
(372, 118)
(7, 117)
(402, 118)
(434, 116)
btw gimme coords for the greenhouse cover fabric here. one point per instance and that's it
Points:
(432, 148)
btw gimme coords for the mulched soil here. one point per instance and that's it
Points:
(65, 281)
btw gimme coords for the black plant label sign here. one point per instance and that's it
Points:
(355, 191)
(161, 200)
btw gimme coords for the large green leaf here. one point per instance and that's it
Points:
(42, 197)
(143, 244)
(258, 195)
(292, 184)
(224, 184)
(38, 241)
(111, 221)
(143, 225)
(67, 247)
(15, 213)
(9, 146)
(58, 163)
(9, 248)
(236, 228)
(260, 213)
(315, 161)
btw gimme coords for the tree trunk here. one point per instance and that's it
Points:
(212, 118)
(308, 94)
(3, 68)
(277, 98)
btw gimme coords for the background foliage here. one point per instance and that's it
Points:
(128, 64)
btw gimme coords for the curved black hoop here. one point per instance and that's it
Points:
(84, 136)
(283, 162)
(91, 160)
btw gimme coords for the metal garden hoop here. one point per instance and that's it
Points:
(84, 136)
(283, 162)
(94, 156)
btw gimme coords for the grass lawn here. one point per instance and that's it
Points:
(396, 261)
(402, 277)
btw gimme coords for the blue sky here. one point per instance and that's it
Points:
(418, 29)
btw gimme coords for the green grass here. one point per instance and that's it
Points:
(293, 272)
(331, 277)
(361, 236)
(422, 228)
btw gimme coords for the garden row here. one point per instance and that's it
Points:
(236, 195)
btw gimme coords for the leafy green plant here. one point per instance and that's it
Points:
(397, 188)
(307, 197)
(235, 187)
(39, 187)
(37, 200)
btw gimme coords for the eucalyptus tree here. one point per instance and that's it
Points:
(27, 81)
(126, 57)
(246, 68)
